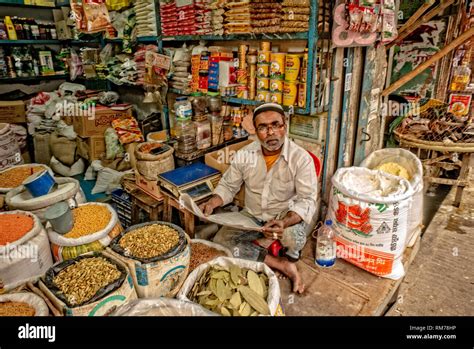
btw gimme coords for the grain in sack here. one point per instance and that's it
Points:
(25, 254)
(68, 190)
(157, 254)
(369, 209)
(94, 284)
(22, 304)
(95, 225)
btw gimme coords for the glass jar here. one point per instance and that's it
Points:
(214, 102)
(185, 132)
(183, 108)
(217, 128)
(228, 132)
(199, 103)
(203, 134)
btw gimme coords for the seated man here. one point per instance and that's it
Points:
(280, 193)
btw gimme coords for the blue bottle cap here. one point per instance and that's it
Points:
(329, 222)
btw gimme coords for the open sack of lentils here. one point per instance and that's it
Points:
(85, 279)
(150, 242)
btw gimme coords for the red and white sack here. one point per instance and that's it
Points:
(414, 167)
(369, 210)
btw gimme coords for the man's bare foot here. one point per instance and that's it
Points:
(287, 268)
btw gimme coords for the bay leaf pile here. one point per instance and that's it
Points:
(232, 291)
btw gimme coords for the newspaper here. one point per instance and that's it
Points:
(230, 219)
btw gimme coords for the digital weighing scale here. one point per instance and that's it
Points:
(197, 180)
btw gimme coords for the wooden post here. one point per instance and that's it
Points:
(433, 59)
(415, 16)
(426, 18)
(334, 117)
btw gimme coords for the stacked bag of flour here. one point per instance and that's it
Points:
(296, 15)
(237, 17)
(169, 18)
(265, 16)
(203, 17)
(181, 79)
(146, 23)
(187, 19)
(217, 16)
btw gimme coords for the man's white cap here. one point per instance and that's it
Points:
(268, 107)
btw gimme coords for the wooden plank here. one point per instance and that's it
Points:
(334, 116)
(416, 16)
(348, 64)
(343, 290)
(433, 59)
(368, 128)
(426, 18)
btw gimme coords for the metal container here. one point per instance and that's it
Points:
(40, 183)
(60, 216)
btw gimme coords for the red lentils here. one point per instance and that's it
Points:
(13, 227)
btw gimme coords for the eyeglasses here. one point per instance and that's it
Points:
(266, 128)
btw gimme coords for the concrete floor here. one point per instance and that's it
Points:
(440, 281)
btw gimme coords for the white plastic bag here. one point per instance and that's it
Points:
(369, 210)
(25, 259)
(273, 298)
(36, 302)
(76, 168)
(107, 179)
(414, 167)
(161, 307)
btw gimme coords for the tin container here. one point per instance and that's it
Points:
(263, 83)
(302, 95)
(276, 85)
(265, 46)
(263, 96)
(290, 93)
(60, 216)
(263, 70)
(264, 56)
(292, 67)
(277, 65)
(40, 183)
(276, 97)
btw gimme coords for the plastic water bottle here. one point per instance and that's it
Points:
(326, 246)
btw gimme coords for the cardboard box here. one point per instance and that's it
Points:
(12, 112)
(92, 148)
(86, 126)
(152, 188)
(60, 19)
(220, 160)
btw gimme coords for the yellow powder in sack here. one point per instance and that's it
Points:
(394, 169)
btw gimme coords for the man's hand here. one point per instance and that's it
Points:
(274, 229)
(208, 207)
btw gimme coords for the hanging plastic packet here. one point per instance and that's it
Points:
(127, 130)
(75, 66)
(96, 15)
(389, 21)
(77, 14)
(355, 18)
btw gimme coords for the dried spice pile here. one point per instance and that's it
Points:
(149, 241)
(89, 219)
(15, 176)
(201, 254)
(232, 291)
(16, 309)
(13, 227)
(80, 281)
